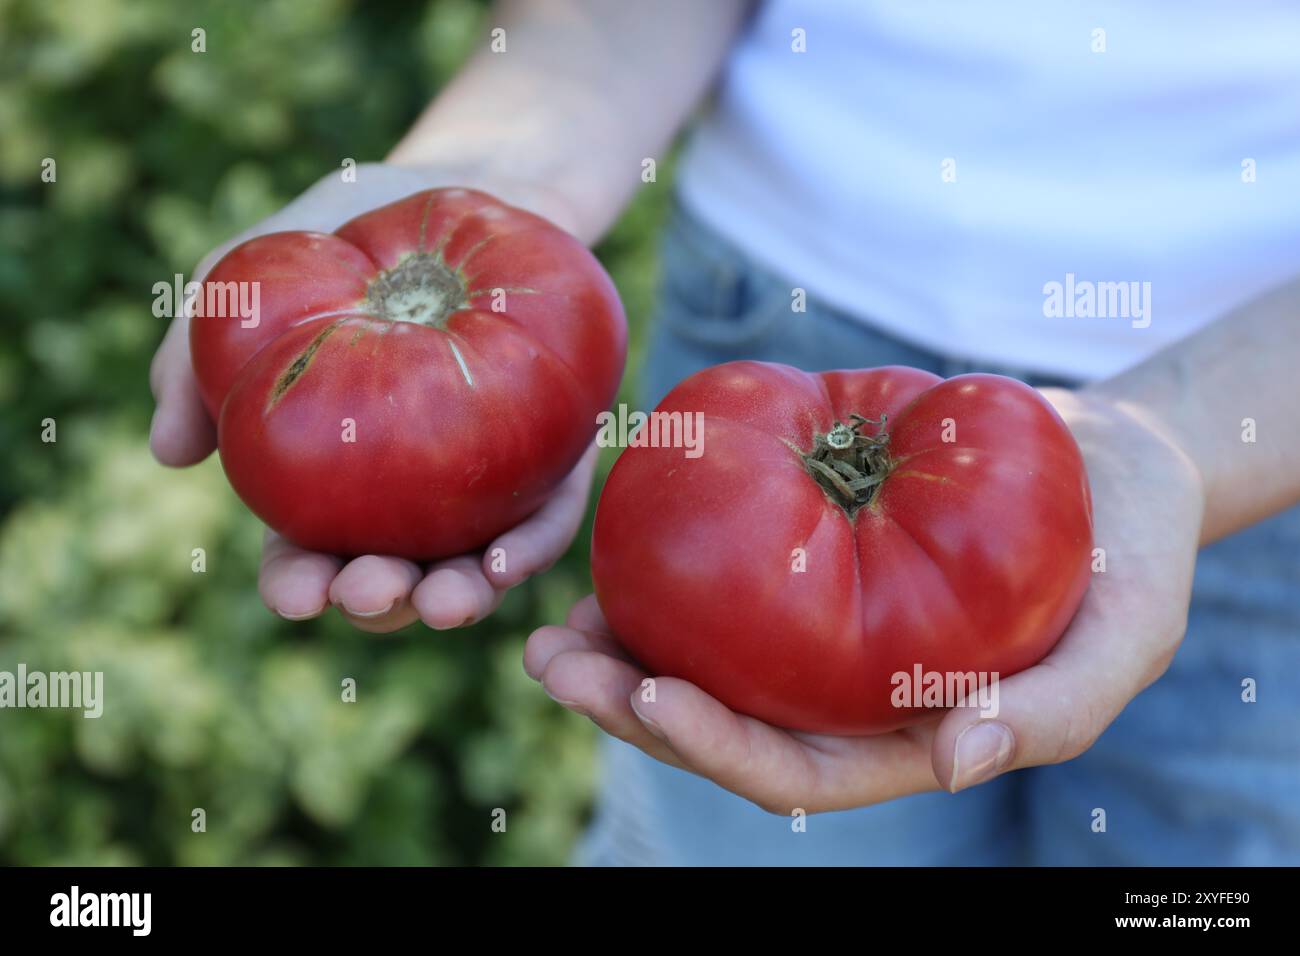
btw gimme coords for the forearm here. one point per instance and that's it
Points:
(1201, 391)
(583, 93)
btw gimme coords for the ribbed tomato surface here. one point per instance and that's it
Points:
(416, 382)
(740, 572)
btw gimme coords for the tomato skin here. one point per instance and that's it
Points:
(350, 433)
(973, 556)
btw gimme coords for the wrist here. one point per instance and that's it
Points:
(1125, 406)
(533, 194)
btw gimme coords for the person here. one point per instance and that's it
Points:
(945, 182)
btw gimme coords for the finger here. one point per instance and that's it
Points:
(294, 583)
(747, 757)
(374, 593)
(778, 770)
(181, 432)
(542, 539)
(455, 594)
(551, 641)
(1055, 710)
(599, 686)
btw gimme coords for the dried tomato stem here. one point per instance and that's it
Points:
(849, 465)
(420, 289)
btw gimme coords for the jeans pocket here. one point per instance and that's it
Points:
(711, 293)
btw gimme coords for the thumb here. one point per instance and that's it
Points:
(1047, 714)
(182, 433)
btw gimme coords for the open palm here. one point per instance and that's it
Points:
(1148, 504)
(375, 592)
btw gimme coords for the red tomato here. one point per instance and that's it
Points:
(417, 382)
(795, 597)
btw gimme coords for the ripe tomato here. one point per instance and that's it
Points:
(415, 383)
(955, 534)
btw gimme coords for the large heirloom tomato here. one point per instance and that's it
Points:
(415, 383)
(808, 556)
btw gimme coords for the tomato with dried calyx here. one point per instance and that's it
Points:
(842, 528)
(416, 382)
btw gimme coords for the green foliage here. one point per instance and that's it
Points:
(211, 701)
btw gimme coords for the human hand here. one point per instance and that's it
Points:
(1148, 504)
(376, 593)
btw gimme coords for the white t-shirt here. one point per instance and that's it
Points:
(935, 168)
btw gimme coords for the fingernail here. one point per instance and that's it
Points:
(648, 721)
(982, 750)
(364, 614)
(464, 622)
(298, 617)
(572, 705)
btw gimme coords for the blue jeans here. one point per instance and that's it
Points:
(1189, 773)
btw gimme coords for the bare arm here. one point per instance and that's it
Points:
(1199, 391)
(581, 94)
